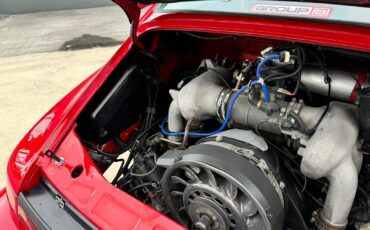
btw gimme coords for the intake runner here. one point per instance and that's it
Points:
(208, 96)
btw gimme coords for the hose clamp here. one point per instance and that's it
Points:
(219, 102)
(222, 101)
(322, 224)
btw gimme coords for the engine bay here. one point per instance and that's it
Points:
(230, 132)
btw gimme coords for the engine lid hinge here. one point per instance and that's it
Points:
(132, 11)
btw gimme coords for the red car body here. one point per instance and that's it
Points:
(101, 203)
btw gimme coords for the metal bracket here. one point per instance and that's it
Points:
(59, 200)
(59, 161)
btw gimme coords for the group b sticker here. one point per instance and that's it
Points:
(292, 10)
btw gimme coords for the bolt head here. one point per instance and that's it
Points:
(60, 162)
(218, 138)
(281, 185)
(200, 226)
(179, 158)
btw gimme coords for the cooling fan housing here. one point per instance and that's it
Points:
(222, 185)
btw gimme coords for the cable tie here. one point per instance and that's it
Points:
(260, 81)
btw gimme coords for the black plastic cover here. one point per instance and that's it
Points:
(365, 117)
(118, 109)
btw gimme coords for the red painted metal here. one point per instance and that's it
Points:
(105, 205)
(126, 135)
(112, 146)
(6, 220)
(361, 78)
(102, 203)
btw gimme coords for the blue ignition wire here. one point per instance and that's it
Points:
(259, 74)
(224, 123)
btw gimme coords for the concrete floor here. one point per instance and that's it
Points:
(48, 31)
(30, 84)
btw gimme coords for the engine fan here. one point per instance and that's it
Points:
(222, 185)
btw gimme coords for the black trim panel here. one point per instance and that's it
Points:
(47, 209)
